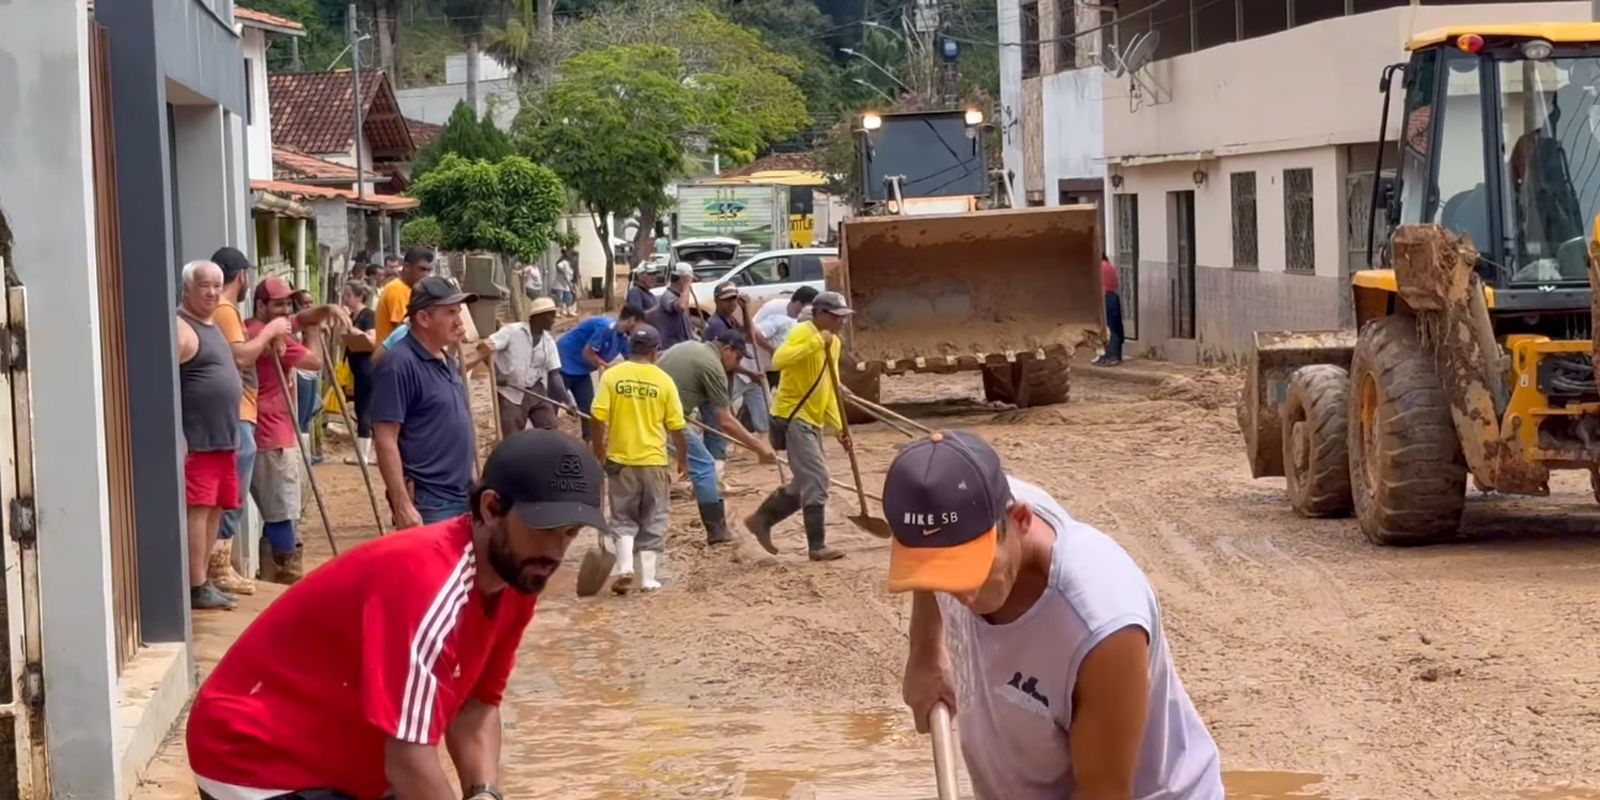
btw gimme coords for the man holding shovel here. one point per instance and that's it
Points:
(806, 406)
(1063, 682)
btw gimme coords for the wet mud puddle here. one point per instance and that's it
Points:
(578, 728)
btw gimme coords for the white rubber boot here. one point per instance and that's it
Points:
(622, 573)
(647, 571)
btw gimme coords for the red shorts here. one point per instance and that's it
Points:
(212, 479)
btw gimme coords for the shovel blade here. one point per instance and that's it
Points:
(873, 525)
(594, 570)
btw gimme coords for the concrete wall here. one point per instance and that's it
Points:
(1304, 87)
(259, 131)
(1074, 136)
(1009, 124)
(47, 197)
(435, 103)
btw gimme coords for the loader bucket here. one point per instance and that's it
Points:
(975, 284)
(1276, 356)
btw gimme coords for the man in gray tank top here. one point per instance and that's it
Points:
(210, 389)
(1040, 633)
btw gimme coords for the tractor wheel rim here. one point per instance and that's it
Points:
(1369, 433)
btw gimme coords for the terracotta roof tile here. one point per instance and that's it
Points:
(249, 16)
(386, 202)
(776, 162)
(422, 132)
(289, 164)
(312, 112)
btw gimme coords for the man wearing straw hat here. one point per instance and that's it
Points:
(1063, 683)
(526, 364)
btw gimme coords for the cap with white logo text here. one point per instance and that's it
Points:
(944, 496)
(550, 478)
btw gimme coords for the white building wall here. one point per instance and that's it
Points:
(259, 130)
(1074, 136)
(435, 103)
(1010, 117)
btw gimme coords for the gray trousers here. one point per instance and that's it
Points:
(806, 462)
(640, 501)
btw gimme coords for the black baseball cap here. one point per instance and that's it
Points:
(831, 303)
(550, 479)
(644, 337)
(232, 261)
(945, 496)
(436, 291)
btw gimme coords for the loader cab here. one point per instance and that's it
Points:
(1499, 140)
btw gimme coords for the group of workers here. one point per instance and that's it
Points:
(1038, 631)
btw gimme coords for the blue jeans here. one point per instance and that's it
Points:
(702, 468)
(434, 507)
(755, 407)
(581, 387)
(1114, 326)
(716, 444)
(233, 520)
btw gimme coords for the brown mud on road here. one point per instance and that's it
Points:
(1324, 666)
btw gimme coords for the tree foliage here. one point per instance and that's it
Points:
(467, 136)
(510, 206)
(421, 232)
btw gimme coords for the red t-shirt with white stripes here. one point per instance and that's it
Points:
(389, 640)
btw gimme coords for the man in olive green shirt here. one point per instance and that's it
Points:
(700, 371)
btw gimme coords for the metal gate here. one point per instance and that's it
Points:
(1182, 288)
(113, 355)
(22, 729)
(1127, 207)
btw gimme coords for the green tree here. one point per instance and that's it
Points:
(615, 126)
(421, 231)
(464, 135)
(509, 207)
(324, 33)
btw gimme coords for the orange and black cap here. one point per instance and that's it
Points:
(944, 496)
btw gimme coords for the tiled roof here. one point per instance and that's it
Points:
(313, 112)
(422, 132)
(261, 19)
(289, 164)
(776, 162)
(384, 202)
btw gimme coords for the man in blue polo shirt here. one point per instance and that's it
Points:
(422, 427)
(596, 342)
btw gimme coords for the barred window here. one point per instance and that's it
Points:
(1031, 46)
(1299, 221)
(1246, 245)
(1066, 35)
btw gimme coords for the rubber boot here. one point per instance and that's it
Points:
(714, 516)
(266, 567)
(647, 571)
(622, 573)
(817, 535)
(220, 571)
(290, 565)
(776, 508)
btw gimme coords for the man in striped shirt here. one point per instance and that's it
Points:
(344, 687)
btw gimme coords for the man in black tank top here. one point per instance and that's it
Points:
(210, 388)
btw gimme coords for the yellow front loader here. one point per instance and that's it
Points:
(1473, 350)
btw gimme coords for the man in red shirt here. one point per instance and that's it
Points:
(344, 686)
(1113, 287)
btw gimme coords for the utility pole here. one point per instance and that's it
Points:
(355, 78)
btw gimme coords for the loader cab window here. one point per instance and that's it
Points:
(1416, 137)
(1460, 199)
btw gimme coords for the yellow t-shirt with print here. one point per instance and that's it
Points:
(638, 403)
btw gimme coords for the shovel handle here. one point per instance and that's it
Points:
(944, 751)
(844, 425)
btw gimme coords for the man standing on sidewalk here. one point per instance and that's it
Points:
(700, 371)
(806, 407)
(1061, 681)
(525, 358)
(396, 295)
(422, 427)
(635, 408)
(671, 316)
(210, 389)
(344, 687)
(276, 482)
(594, 343)
(639, 294)
(1113, 287)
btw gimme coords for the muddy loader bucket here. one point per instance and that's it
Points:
(1276, 356)
(977, 285)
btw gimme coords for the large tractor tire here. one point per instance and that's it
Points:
(1029, 383)
(1408, 477)
(1316, 441)
(865, 384)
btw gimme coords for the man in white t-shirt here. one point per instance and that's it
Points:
(772, 324)
(525, 357)
(1040, 633)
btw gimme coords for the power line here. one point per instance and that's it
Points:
(1096, 29)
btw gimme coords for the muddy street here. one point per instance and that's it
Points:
(1324, 666)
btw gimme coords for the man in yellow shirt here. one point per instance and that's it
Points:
(807, 406)
(396, 294)
(634, 410)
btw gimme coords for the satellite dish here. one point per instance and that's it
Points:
(1115, 66)
(1140, 51)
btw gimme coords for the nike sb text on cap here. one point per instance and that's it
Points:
(551, 479)
(944, 495)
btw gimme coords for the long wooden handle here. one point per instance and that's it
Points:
(305, 457)
(350, 425)
(944, 752)
(886, 415)
(844, 423)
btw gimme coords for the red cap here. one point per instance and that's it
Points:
(270, 289)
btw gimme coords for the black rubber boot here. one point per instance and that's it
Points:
(715, 518)
(778, 506)
(817, 535)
